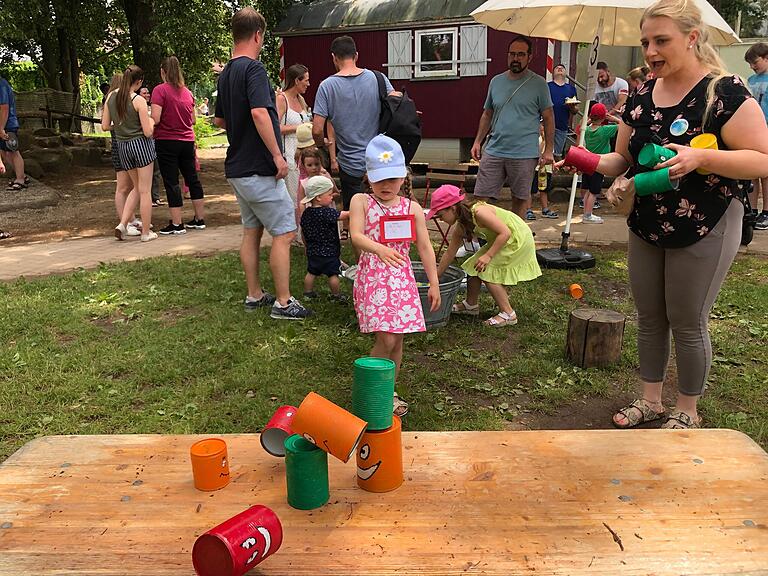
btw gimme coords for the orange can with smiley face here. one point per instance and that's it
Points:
(380, 459)
(210, 465)
(328, 426)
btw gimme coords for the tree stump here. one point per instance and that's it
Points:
(594, 337)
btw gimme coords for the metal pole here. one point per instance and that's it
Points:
(590, 92)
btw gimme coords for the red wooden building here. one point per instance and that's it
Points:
(431, 48)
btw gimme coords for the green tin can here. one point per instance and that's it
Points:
(653, 154)
(654, 182)
(306, 473)
(373, 387)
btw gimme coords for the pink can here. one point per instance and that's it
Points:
(237, 545)
(277, 430)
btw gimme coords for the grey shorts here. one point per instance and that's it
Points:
(560, 138)
(494, 172)
(264, 203)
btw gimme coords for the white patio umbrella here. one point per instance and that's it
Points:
(577, 20)
(596, 22)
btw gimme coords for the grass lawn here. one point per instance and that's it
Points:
(210, 141)
(164, 346)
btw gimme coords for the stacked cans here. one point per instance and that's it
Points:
(380, 452)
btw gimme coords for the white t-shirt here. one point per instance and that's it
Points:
(610, 96)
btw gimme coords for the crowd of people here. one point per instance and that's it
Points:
(282, 157)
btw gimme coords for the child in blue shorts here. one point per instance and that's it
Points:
(319, 225)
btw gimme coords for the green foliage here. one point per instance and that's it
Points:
(23, 76)
(754, 14)
(203, 128)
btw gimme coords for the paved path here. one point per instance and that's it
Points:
(43, 258)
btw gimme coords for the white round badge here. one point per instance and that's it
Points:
(678, 127)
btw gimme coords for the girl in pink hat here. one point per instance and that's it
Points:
(508, 257)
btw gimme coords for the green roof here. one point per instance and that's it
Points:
(335, 15)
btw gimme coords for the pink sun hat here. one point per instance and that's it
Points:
(444, 197)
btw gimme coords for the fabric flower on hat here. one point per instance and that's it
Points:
(386, 156)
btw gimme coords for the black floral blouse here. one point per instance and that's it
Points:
(681, 217)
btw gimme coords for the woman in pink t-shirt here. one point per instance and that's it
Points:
(173, 110)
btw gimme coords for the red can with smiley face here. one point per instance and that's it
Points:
(237, 545)
(380, 459)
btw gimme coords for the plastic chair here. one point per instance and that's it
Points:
(439, 173)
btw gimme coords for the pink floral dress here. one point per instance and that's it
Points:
(386, 298)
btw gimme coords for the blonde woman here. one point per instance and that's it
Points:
(682, 242)
(637, 76)
(126, 113)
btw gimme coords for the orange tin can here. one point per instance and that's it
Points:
(576, 291)
(328, 426)
(380, 459)
(210, 464)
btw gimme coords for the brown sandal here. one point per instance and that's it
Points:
(681, 421)
(639, 412)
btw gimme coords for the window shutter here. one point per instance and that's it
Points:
(474, 48)
(399, 55)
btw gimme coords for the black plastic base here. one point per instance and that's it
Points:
(570, 259)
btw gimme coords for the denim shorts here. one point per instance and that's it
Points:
(264, 203)
(560, 137)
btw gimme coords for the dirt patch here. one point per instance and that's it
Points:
(86, 205)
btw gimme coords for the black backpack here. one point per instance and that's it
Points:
(399, 119)
(748, 223)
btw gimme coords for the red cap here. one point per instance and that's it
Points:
(598, 111)
(444, 197)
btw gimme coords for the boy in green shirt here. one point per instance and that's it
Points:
(597, 139)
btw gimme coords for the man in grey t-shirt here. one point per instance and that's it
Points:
(350, 101)
(517, 100)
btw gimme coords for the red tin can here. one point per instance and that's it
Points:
(582, 159)
(277, 430)
(237, 545)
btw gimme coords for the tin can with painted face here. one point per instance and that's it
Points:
(380, 459)
(210, 464)
(237, 545)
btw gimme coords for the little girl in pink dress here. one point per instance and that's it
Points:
(385, 294)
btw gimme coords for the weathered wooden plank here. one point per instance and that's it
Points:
(691, 502)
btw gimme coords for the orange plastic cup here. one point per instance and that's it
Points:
(328, 426)
(704, 141)
(380, 459)
(210, 464)
(576, 291)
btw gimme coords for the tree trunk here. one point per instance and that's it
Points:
(141, 25)
(594, 337)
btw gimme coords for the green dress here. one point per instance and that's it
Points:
(516, 261)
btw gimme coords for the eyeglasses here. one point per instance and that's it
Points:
(518, 54)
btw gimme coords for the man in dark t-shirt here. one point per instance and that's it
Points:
(255, 166)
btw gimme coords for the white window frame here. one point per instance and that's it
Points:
(454, 70)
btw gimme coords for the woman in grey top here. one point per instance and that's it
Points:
(127, 115)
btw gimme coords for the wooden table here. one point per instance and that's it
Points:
(545, 502)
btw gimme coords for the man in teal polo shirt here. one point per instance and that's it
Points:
(517, 100)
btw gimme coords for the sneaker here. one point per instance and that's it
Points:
(591, 219)
(120, 232)
(547, 213)
(350, 273)
(137, 223)
(529, 215)
(266, 299)
(148, 237)
(761, 223)
(173, 229)
(132, 230)
(339, 298)
(196, 224)
(292, 311)
(310, 295)
(596, 206)
(581, 202)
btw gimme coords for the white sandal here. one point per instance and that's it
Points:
(502, 319)
(466, 309)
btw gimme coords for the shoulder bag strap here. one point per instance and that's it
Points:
(498, 112)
